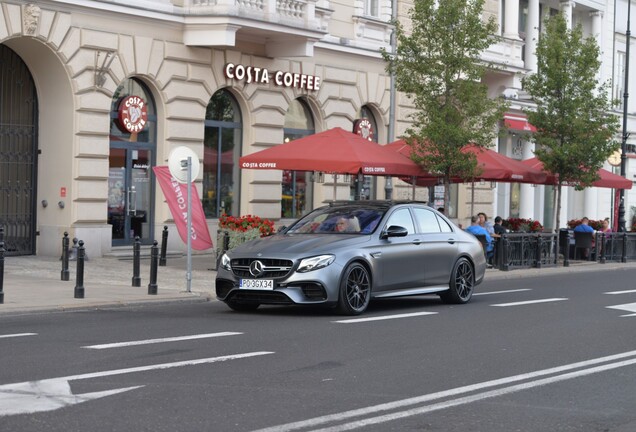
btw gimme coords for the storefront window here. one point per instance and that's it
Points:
(297, 196)
(222, 146)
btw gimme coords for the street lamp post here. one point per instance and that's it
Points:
(621, 205)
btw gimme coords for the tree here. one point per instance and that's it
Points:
(437, 65)
(575, 128)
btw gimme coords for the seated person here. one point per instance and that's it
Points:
(477, 229)
(584, 226)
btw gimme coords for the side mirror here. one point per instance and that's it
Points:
(394, 231)
(282, 229)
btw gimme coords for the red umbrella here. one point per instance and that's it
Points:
(333, 151)
(607, 178)
(494, 166)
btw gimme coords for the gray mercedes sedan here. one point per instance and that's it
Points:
(347, 253)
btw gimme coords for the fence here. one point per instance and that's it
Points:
(525, 250)
(615, 247)
(535, 250)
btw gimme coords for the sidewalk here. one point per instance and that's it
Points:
(32, 283)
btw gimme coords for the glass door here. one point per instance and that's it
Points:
(129, 195)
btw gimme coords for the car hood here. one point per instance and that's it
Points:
(297, 244)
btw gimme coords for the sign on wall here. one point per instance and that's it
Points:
(252, 74)
(132, 115)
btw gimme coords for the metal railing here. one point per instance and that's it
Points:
(615, 247)
(525, 250)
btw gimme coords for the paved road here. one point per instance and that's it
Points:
(552, 353)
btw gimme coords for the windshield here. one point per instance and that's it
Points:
(339, 219)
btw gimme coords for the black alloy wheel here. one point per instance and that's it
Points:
(462, 283)
(355, 290)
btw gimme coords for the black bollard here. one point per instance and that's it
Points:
(164, 246)
(65, 275)
(2, 234)
(136, 280)
(79, 284)
(624, 248)
(154, 258)
(1, 271)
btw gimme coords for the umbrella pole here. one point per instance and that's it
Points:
(335, 181)
(413, 178)
(472, 199)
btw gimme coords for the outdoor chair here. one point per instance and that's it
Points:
(583, 241)
(484, 245)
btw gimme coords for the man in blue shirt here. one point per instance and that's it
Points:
(476, 229)
(584, 226)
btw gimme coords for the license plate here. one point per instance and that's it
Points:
(258, 284)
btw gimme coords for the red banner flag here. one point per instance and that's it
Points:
(177, 198)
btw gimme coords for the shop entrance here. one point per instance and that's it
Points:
(129, 195)
(131, 158)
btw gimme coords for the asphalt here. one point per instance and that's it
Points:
(32, 284)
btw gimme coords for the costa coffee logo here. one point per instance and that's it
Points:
(252, 74)
(133, 114)
(364, 128)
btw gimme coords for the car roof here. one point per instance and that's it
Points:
(383, 204)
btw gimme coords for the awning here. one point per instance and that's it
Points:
(518, 122)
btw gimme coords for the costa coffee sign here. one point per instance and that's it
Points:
(364, 128)
(132, 114)
(251, 74)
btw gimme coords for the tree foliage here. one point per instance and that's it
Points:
(575, 127)
(437, 65)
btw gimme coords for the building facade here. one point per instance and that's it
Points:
(96, 93)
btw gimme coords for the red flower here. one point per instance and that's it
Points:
(244, 223)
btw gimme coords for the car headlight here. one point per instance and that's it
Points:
(315, 263)
(225, 262)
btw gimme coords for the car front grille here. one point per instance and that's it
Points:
(259, 296)
(272, 268)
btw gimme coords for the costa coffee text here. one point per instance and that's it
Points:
(251, 74)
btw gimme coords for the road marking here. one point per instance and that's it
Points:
(521, 303)
(502, 292)
(374, 409)
(54, 393)
(160, 340)
(475, 398)
(620, 292)
(17, 335)
(629, 307)
(384, 317)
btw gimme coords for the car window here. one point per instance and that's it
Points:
(445, 226)
(402, 217)
(426, 220)
(339, 219)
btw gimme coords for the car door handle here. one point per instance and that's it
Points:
(451, 241)
(417, 241)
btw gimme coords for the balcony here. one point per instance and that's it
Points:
(286, 27)
(507, 53)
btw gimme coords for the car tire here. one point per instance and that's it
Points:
(462, 283)
(355, 290)
(243, 307)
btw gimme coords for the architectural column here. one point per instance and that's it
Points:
(590, 194)
(532, 35)
(526, 199)
(567, 7)
(511, 19)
